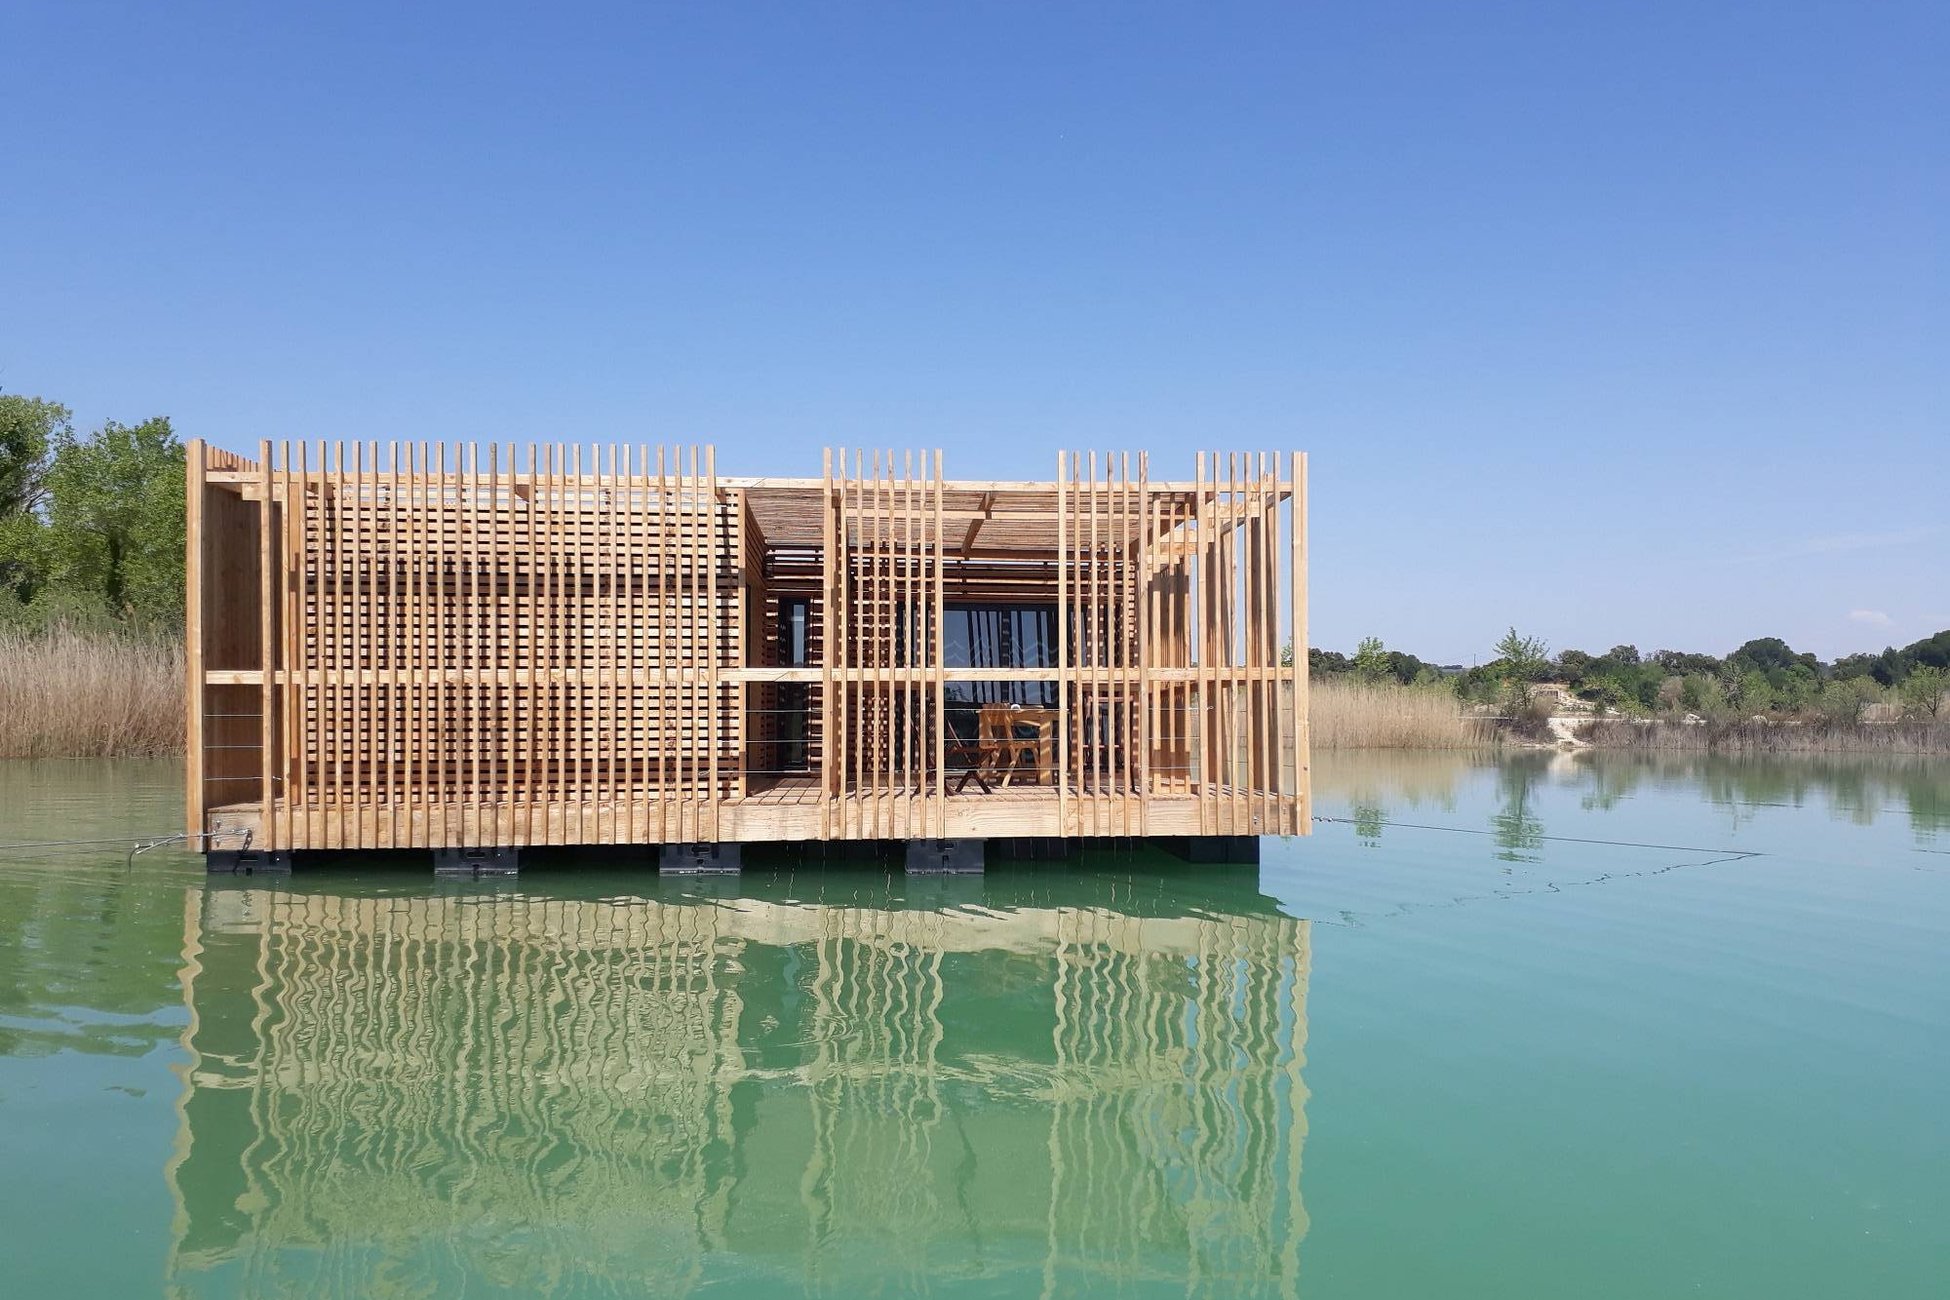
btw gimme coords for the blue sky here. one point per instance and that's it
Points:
(1618, 322)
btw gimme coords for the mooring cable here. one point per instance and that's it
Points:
(137, 844)
(1728, 854)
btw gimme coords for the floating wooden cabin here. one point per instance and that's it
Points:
(398, 646)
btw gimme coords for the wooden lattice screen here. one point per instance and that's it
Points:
(497, 651)
(883, 687)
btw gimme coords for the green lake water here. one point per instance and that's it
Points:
(1591, 1027)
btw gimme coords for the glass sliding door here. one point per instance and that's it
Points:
(997, 636)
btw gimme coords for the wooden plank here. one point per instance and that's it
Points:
(390, 622)
(631, 601)
(883, 604)
(359, 712)
(695, 623)
(413, 517)
(1208, 679)
(294, 638)
(939, 655)
(663, 633)
(438, 745)
(1064, 463)
(1258, 652)
(602, 599)
(1094, 683)
(507, 653)
(1267, 519)
(1143, 558)
(1234, 655)
(858, 588)
(1302, 668)
(266, 609)
(826, 725)
(713, 708)
(195, 463)
(1131, 641)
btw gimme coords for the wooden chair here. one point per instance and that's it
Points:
(971, 757)
(1003, 725)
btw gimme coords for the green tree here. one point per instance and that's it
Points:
(1770, 655)
(1521, 661)
(1523, 656)
(1371, 662)
(29, 429)
(1326, 663)
(1751, 692)
(115, 519)
(1706, 696)
(1843, 702)
(1923, 692)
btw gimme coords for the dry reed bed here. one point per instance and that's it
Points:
(1357, 715)
(66, 695)
(1749, 737)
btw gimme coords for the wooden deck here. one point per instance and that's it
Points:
(778, 811)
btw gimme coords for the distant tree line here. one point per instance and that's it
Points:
(91, 525)
(1764, 677)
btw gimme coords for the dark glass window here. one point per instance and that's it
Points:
(792, 632)
(997, 636)
(793, 697)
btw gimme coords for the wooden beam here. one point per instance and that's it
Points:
(975, 520)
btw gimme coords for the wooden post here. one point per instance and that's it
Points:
(1302, 666)
(828, 783)
(194, 460)
(1062, 645)
(940, 658)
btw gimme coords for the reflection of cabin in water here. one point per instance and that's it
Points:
(389, 649)
(655, 1093)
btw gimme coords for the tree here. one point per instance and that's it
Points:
(1861, 664)
(1522, 656)
(1923, 692)
(1371, 660)
(115, 518)
(1930, 652)
(1843, 702)
(1751, 692)
(29, 428)
(1681, 663)
(1325, 663)
(1522, 660)
(1770, 655)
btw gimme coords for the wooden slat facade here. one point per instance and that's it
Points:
(415, 645)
